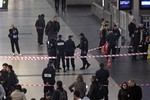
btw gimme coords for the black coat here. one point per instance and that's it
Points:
(111, 39)
(13, 34)
(56, 94)
(70, 45)
(83, 44)
(135, 93)
(60, 46)
(48, 75)
(123, 94)
(131, 28)
(102, 76)
(51, 47)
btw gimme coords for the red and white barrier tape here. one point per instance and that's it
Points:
(111, 85)
(47, 58)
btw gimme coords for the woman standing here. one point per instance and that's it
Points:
(123, 92)
(79, 85)
(13, 35)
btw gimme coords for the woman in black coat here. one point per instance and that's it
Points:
(13, 35)
(123, 92)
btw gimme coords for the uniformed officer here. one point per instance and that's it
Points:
(48, 76)
(70, 48)
(84, 49)
(60, 52)
(51, 49)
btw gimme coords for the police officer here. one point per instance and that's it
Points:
(60, 53)
(84, 49)
(48, 76)
(51, 49)
(102, 75)
(70, 49)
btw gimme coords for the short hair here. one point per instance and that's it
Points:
(18, 87)
(5, 64)
(77, 93)
(24, 90)
(10, 67)
(59, 83)
(101, 65)
(35, 99)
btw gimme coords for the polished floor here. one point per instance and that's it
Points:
(23, 13)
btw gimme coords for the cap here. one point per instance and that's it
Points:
(81, 34)
(70, 36)
(59, 36)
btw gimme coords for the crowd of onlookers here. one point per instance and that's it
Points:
(11, 90)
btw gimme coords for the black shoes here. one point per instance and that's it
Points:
(88, 65)
(83, 68)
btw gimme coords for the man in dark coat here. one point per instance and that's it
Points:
(135, 92)
(60, 93)
(70, 49)
(102, 75)
(40, 25)
(52, 28)
(48, 76)
(84, 50)
(60, 53)
(132, 27)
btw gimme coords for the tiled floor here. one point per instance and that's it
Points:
(23, 13)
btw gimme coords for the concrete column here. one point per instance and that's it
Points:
(135, 11)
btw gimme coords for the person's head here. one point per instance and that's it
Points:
(42, 16)
(80, 78)
(24, 90)
(81, 35)
(101, 65)
(115, 27)
(55, 18)
(59, 36)
(131, 83)
(50, 63)
(39, 16)
(9, 68)
(124, 85)
(42, 98)
(59, 84)
(70, 37)
(141, 26)
(12, 26)
(48, 95)
(18, 87)
(93, 79)
(4, 66)
(133, 20)
(76, 95)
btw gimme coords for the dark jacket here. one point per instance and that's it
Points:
(93, 93)
(123, 94)
(103, 37)
(51, 47)
(11, 79)
(60, 46)
(56, 94)
(145, 34)
(117, 33)
(52, 29)
(135, 93)
(111, 39)
(48, 75)
(83, 44)
(131, 28)
(40, 23)
(70, 45)
(102, 76)
(13, 34)
(136, 38)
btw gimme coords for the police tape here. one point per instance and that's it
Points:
(96, 48)
(41, 85)
(48, 58)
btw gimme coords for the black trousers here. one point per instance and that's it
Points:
(60, 56)
(63, 2)
(144, 49)
(49, 89)
(84, 60)
(15, 42)
(56, 4)
(70, 53)
(113, 49)
(135, 50)
(40, 35)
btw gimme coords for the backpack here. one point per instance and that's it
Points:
(62, 95)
